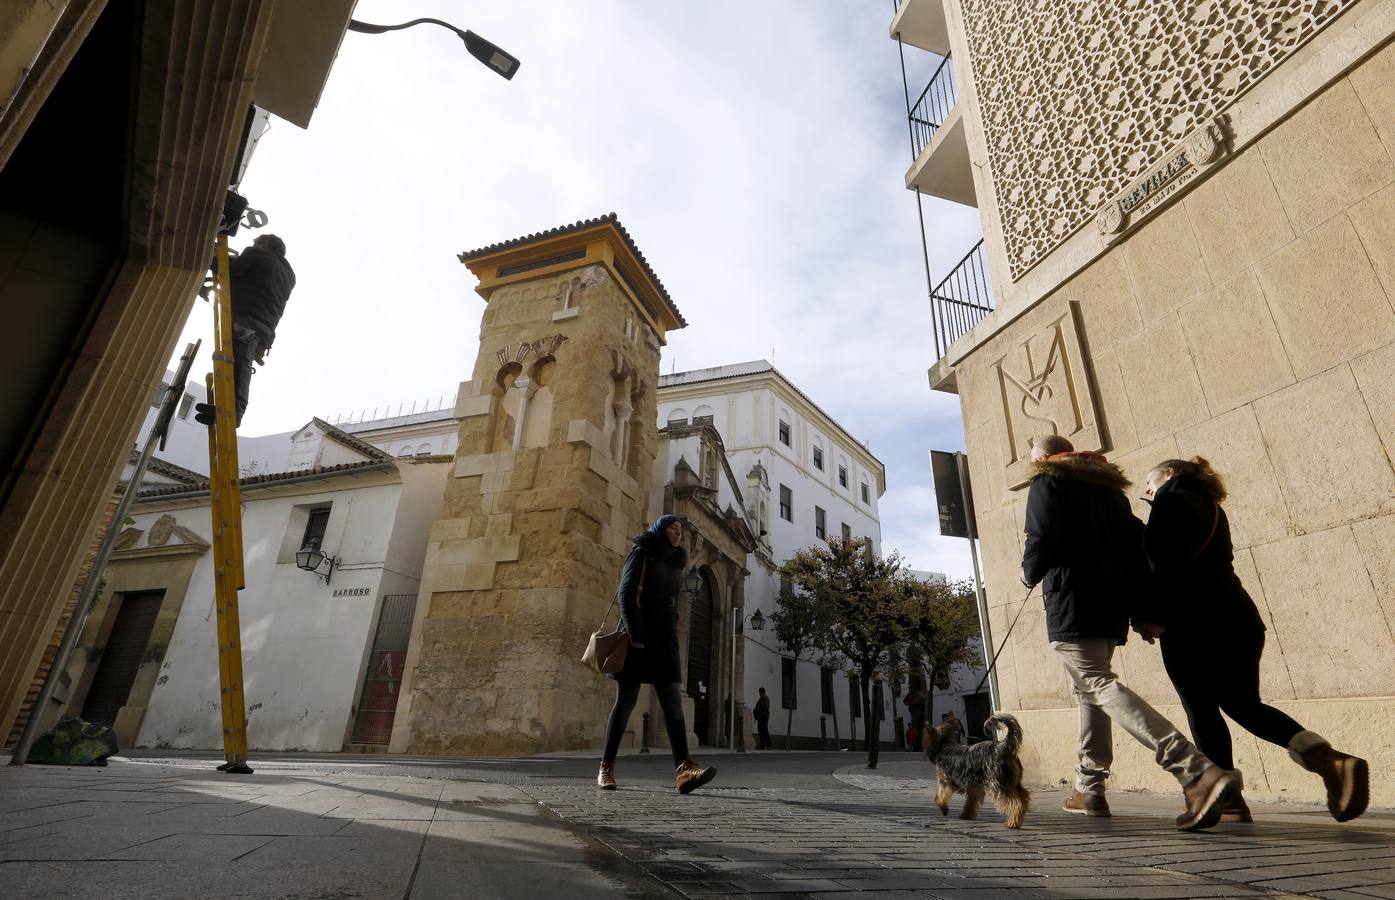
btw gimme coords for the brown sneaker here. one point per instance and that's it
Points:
(1206, 798)
(690, 776)
(1086, 804)
(606, 779)
(1347, 779)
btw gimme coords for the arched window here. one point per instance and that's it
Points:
(702, 415)
(677, 416)
(424, 450)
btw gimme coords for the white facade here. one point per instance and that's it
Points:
(748, 403)
(306, 643)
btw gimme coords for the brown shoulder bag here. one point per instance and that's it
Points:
(606, 651)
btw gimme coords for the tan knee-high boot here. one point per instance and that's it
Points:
(1347, 778)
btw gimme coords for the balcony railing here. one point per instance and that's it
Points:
(961, 300)
(932, 108)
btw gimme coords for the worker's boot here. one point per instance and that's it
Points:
(204, 413)
(689, 776)
(1347, 778)
(605, 779)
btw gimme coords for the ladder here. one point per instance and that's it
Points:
(225, 504)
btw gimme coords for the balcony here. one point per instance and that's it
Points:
(962, 300)
(939, 142)
(921, 23)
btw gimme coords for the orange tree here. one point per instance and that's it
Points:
(940, 623)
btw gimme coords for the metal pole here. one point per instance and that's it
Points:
(987, 635)
(83, 607)
(731, 735)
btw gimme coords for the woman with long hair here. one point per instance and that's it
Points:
(1212, 636)
(650, 585)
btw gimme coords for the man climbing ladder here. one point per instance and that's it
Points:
(225, 502)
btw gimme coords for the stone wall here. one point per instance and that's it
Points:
(535, 522)
(1253, 322)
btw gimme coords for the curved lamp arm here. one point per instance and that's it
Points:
(506, 64)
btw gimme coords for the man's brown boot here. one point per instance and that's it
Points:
(1237, 810)
(1086, 804)
(1347, 778)
(690, 776)
(606, 779)
(1206, 798)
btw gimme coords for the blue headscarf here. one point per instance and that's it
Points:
(661, 523)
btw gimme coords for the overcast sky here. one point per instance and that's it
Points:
(756, 152)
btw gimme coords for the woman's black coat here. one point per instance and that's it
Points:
(651, 617)
(1197, 588)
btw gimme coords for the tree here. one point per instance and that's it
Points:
(797, 625)
(858, 619)
(941, 625)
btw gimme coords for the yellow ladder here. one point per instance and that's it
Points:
(225, 503)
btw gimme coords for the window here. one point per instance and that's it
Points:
(820, 524)
(702, 415)
(864, 493)
(702, 420)
(818, 458)
(676, 423)
(784, 432)
(315, 528)
(186, 403)
(842, 476)
(786, 504)
(787, 684)
(855, 696)
(826, 690)
(847, 532)
(160, 395)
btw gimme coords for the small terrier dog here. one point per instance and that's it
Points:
(989, 766)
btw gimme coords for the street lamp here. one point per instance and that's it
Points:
(693, 581)
(506, 64)
(311, 558)
(757, 621)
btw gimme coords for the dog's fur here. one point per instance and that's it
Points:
(989, 766)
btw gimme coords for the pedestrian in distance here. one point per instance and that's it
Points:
(1213, 637)
(650, 585)
(261, 282)
(762, 714)
(1085, 547)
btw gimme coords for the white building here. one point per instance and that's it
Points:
(322, 653)
(800, 478)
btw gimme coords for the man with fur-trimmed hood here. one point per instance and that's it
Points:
(1085, 548)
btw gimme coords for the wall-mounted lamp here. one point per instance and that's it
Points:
(757, 621)
(312, 559)
(693, 581)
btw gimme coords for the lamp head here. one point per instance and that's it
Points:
(504, 63)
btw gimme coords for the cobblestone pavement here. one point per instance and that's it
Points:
(826, 843)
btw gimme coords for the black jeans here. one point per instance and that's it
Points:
(1222, 675)
(763, 726)
(670, 698)
(244, 352)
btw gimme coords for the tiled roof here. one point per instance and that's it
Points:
(269, 480)
(608, 218)
(170, 470)
(348, 440)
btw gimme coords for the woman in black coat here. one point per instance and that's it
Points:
(650, 585)
(1213, 636)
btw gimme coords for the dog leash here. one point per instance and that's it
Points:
(1003, 645)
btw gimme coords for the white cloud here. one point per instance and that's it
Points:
(756, 152)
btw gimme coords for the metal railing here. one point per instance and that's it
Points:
(962, 300)
(932, 108)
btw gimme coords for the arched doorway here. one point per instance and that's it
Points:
(700, 682)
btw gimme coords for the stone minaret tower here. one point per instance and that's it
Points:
(558, 436)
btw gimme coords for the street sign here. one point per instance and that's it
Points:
(952, 494)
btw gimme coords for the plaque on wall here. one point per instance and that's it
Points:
(1045, 389)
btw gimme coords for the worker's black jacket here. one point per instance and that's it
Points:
(261, 284)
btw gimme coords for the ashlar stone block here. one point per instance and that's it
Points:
(1376, 539)
(1235, 344)
(1113, 410)
(1237, 216)
(1375, 375)
(1235, 447)
(1327, 302)
(1165, 264)
(1108, 310)
(1164, 390)
(1330, 463)
(1374, 83)
(1331, 630)
(1325, 157)
(1374, 220)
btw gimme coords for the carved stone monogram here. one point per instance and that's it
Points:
(1148, 193)
(540, 347)
(1045, 390)
(1079, 99)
